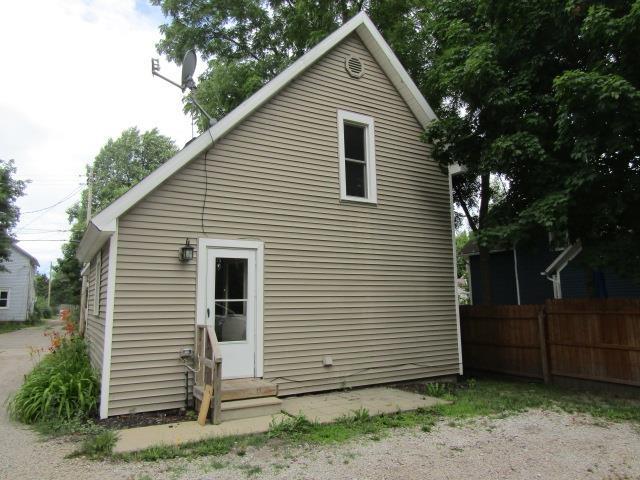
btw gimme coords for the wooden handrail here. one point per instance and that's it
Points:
(210, 367)
(215, 346)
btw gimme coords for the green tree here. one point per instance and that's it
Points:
(10, 190)
(120, 164)
(545, 94)
(42, 285)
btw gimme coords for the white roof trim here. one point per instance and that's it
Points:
(32, 259)
(370, 36)
(563, 259)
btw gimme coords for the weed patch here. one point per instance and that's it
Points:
(97, 446)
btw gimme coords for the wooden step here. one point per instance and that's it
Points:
(242, 389)
(250, 407)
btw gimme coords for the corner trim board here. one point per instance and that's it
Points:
(105, 378)
(455, 274)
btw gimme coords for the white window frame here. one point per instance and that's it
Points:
(371, 193)
(8, 290)
(96, 287)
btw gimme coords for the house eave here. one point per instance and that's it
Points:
(563, 259)
(92, 241)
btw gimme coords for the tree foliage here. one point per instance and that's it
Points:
(10, 190)
(120, 164)
(42, 285)
(544, 93)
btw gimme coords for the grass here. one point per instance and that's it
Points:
(485, 398)
(6, 327)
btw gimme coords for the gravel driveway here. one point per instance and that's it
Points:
(536, 444)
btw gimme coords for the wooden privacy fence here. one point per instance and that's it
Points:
(588, 339)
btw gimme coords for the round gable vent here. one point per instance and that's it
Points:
(354, 66)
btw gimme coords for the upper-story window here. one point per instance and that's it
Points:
(356, 148)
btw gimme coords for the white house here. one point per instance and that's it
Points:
(17, 286)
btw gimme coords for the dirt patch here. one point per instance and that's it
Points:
(145, 419)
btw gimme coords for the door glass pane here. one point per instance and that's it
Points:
(231, 278)
(355, 177)
(231, 299)
(231, 321)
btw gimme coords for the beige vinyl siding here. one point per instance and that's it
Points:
(372, 286)
(94, 334)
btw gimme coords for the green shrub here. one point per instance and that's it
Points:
(40, 310)
(61, 387)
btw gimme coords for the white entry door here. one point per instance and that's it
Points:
(231, 308)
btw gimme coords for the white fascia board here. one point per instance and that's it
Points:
(361, 24)
(563, 259)
(390, 64)
(91, 242)
(105, 376)
(457, 169)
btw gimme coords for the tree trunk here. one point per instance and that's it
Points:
(485, 253)
(485, 276)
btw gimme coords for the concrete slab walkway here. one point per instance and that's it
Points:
(323, 408)
(329, 407)
(132, 439)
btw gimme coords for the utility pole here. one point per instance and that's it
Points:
(89, 195)
(50, 282)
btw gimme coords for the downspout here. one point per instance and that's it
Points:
(515, 268)
(468, 263)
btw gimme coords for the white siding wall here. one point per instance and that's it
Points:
(18, 279)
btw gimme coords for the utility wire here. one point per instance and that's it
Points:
(47, 240)
(55, 204)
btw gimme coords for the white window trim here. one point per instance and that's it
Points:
(96, 287)
(201, 257)
(8, 290)
(370, 156)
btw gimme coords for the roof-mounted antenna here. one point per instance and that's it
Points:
(188, 68)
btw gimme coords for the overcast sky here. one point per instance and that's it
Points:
(75, 73)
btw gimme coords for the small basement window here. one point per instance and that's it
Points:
(356, 148)
(4, 298)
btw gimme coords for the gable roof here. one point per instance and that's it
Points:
(104, 223)
(31, 258)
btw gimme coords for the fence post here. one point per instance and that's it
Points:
(542, 333)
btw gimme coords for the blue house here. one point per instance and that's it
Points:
(539, 271)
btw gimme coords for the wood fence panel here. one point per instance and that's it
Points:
(595, 339)
(502, 338)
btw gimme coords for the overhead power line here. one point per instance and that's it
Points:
(55, 204)
(47, 240)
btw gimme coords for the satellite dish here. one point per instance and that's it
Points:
(188, 68)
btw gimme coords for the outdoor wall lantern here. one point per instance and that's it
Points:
(186, 252)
